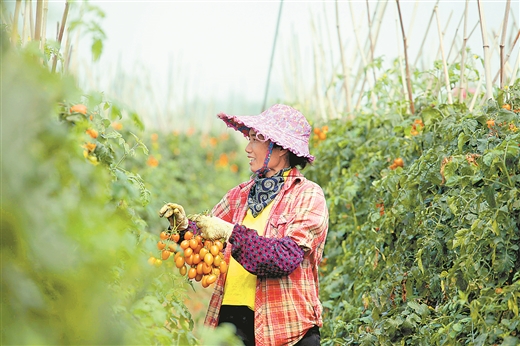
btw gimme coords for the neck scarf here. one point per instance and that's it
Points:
(264, 190)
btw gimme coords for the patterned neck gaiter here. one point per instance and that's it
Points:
(264, 190)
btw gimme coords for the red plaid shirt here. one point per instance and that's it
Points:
(286, 307)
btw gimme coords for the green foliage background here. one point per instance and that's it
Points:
(427, 253)
(79, 225)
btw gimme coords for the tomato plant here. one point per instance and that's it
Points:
(440, 264)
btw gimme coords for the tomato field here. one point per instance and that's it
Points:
(424, 235)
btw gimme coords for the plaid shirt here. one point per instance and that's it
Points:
(285, 307)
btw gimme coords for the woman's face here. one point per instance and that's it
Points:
(256, 151)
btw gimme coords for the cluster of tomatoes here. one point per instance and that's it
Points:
(200, 259)
(398, 162)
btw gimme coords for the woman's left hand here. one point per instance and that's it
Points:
(213, 227)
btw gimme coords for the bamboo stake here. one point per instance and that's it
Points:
(515, 69)
(444, 64)
(419, 54)
(454, 40)
(407, 65)
(374, 105)
(474, 99)
(328, 88)
(360, 52)
(14, 32)
(377, 22)
(318, 86)
(25, 29)
(44, 24)
(31, 23)
(272, 55)
(348, 97)
(508, 55)
(38, 22)
(463, 57)
(487, 62)
(60, 35)
(379, 11)
(377, 25)
(502, 44)
(412, 21)
(329, 40)
(403, 80)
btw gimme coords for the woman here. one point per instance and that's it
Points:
(275, 226)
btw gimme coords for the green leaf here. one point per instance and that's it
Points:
(97, 49)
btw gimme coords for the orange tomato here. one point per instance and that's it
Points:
(185, 244)
(204, 281)
(214, 250)
(219, 244)
(211, 279)
(161, 245)
(79, 108)
(188, 235)
(165, 255)
(196, 258)
(188, 252)
(199, 268)
(399, 162)
(506, 106)
(194, 243)
(206, 268)
(223, 267)
(203, 252)
(192, 273)
(175, 237)
(92, 133)
(163, 235)
(183, 270)
(179, 262)
(208, 259)
(217, 260)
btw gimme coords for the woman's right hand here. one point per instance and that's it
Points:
(175, 214)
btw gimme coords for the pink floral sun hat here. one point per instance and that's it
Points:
(280, 124)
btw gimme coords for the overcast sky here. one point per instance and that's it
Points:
(219, 50)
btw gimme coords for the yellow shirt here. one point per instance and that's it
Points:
(240, 287)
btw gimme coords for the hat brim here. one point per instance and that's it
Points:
(244, 123)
